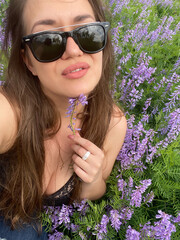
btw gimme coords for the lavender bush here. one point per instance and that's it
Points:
(142, 201)
(3, 6)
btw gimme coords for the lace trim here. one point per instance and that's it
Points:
(61, 196)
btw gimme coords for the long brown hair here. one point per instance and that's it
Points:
(38, 120)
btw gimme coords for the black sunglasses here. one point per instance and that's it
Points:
(48, 46)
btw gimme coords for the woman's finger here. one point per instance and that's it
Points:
(81, 163)
(86, 144)
(83, 175)
(82, 152)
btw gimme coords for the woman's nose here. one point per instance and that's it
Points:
(72, 49)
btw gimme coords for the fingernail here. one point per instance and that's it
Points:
(71, 136)
(77, 133)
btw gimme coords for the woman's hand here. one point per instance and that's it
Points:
(89, 170)
(95, 170)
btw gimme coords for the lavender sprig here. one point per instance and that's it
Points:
(71, 110)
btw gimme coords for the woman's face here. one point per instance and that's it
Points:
(63, 77)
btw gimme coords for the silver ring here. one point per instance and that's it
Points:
(86, 155)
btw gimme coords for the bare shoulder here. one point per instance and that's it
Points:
(118, 121)
(117, 130)
(114, 139)
(8, 124)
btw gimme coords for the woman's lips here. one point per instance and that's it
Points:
(76, 71)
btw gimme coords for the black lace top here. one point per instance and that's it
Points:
(62, 196)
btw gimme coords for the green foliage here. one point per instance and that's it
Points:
(3, 7)
(165, 175)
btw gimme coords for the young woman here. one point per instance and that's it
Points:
(60, 49)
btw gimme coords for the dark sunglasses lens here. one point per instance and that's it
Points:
(91, 38)
(47, 47)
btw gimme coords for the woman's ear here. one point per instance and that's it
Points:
(28, 62)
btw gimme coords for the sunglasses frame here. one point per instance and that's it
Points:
(29, 38)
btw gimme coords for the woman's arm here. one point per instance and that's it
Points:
(8, 124)
(113, 143)
(96, 169)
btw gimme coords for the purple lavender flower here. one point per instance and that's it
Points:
(82, 99)
(119, 5)
(104, 222)
(149, 197)
(115, 32)
(163, 228)
(81, 207)
(163, 215)
(136, 196)
(145, 118)
(176, 65)
(56, 235)
(126, 214)
(124, 59)
(144, 185)
(53, 214)
(176, 219)
(83, 235)
(134, 148)
(74, 102)
(130, 94)
(102, 228)
(121, 185)
(166, 3)
(1, 36)
(167, 33)
(132, 234)
(74, 228)
(130, 183)
(115, 219)
(137, 34)
(147, 104)
(1, 71)
(64, 214)
(172, 130)
(173, 100)
(147, 231)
